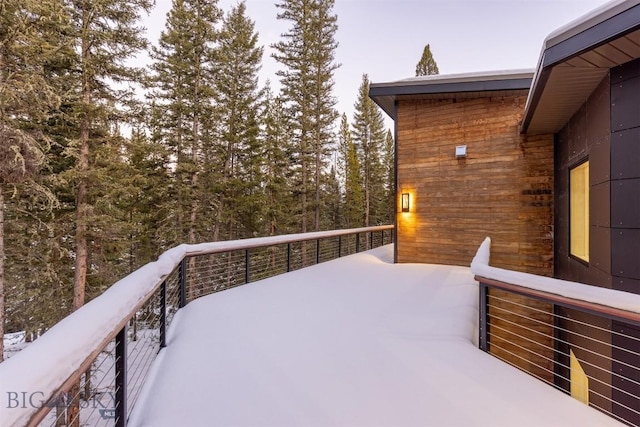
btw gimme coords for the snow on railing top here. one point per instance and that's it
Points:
(39, 370)
(578, 291)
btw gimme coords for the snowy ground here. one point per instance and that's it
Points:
(357, 341)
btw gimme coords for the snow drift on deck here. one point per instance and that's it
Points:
(357, 341)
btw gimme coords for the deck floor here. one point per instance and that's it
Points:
(358, 341)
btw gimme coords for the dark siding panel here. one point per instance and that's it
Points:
(599, 209)
(625, 72)
(625, 253)
(600, 161)
(625, 154)
(626, 382)
(578, 135)
(598, 125)
(626, 284)
(625, 203)
(600, 249)
(625, 109)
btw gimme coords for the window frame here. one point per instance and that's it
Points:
(584, 255)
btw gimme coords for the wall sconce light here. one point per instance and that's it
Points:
(405, 202)
(461, 151)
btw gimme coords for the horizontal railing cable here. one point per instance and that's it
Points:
(537, 341)
(572, 332)
(103, 388)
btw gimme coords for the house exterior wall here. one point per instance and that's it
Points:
(503, 189)
(587, 135)
(625, 177)
(625, 228)
(606, 130)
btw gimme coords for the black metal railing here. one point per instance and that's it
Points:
(588, 347)
(104, 386)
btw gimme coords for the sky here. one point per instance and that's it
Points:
(385, 38)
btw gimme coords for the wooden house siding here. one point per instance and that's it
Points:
(503, 189)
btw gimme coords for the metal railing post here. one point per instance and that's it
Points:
(357, 242)
(288, 257)
(182, 283)
(318, 251)
(163, 314)
(484, 324)
(371, 240)
(339, 246)
(247, 266)
(121, 378)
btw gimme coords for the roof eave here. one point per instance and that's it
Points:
(386, 95)
(560, 48)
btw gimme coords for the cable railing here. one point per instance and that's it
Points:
(580, 339)
(89, 368)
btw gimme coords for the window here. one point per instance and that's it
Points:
(579, 211)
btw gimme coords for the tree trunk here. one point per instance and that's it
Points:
(195, 134)
(1, 275)
(317, 184)
(82, 253)
(87, 383)
(80, 274)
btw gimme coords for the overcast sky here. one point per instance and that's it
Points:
(385, 38)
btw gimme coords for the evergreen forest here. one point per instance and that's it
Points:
(106, 162)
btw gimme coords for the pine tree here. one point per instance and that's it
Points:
(182, 96)
(331, 216)
(308, 54)
(276, 168)
(369, 135)
(107, 36)
(237, 97)
(427, 65)
(25, 101)
(147, 182)
(388, 163)
(353, 197)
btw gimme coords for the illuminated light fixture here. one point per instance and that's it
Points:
(405, 202)
(461, 151)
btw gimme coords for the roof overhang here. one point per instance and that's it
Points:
(575, 58)
(468, 85)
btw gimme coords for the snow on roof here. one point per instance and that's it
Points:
(357, 341)
(463, 77)
(475, 76)
(588, 20)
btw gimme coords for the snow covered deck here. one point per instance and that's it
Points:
(358, 341)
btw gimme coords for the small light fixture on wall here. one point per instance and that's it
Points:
(405, 202)
(461, 151)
